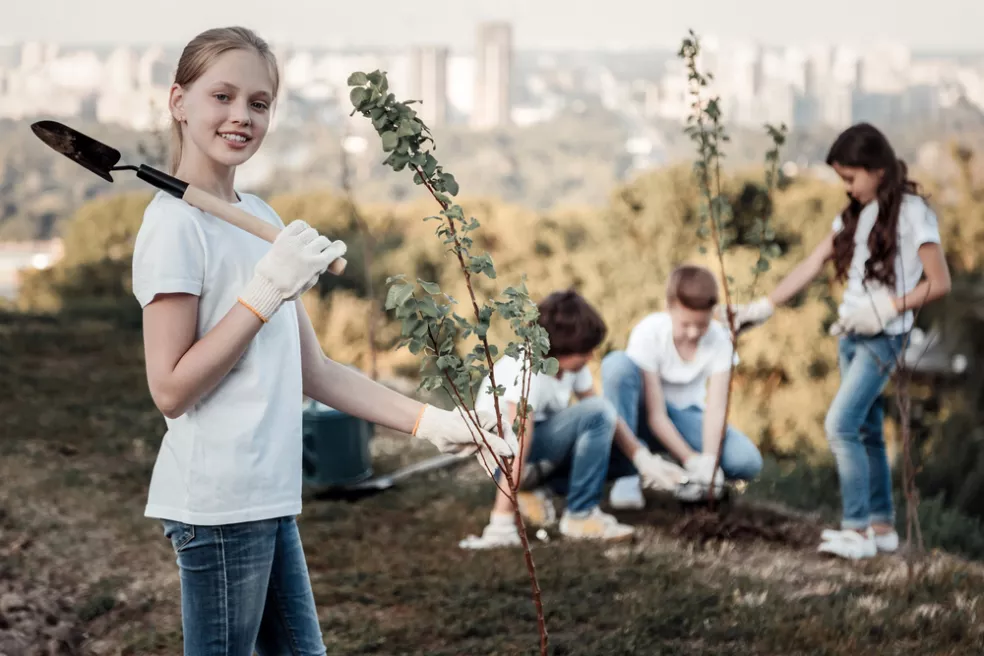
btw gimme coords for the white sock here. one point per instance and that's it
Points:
(501, 519)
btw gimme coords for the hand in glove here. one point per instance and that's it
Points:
(871, 316)
(295, 261)
(451, 432)
(700, 479)
(657, 473)
(749, 315)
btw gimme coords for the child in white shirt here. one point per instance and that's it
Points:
(230, 353)
(885, 245)
(568, 446)
(670, 387)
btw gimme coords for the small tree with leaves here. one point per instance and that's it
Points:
(432, 324)
(706, 128)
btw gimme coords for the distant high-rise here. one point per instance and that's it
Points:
(493, 75)
(429, 83)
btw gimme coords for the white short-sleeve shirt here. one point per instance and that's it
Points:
(917, 226)
(547, 394)
(684, 382)
(235, 455)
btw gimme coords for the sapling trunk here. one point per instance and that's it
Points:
(705, 128)
(431, 326)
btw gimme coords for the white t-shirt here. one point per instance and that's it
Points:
(235, 455)
(547, 394)
(684, 382)
(917, 226)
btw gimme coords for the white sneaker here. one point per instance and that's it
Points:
(500, 532)
(626, 494)
(848, 544)
(595, 525)
(889, 542)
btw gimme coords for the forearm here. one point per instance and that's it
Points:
(203, 366)
(353, 393)
(625, 440)
(667, 433)
(922, 294)
(713, 428)
(795, 281)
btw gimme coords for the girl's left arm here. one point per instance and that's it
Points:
(347, 390)
(935, 283)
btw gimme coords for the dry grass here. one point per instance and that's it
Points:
(82, 572)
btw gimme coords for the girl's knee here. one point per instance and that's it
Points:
(617, 367)
(745, 466)
(601, 412)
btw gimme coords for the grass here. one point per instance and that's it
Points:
(78, 438)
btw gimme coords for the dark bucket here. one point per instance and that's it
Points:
(336, 447)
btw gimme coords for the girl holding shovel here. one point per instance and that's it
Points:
(230, 354)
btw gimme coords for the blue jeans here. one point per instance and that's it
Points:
(577, 442)
(244, 587)
(623, 383)
(854, 429)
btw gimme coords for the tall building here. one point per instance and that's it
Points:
(493, 75)
(429, 83)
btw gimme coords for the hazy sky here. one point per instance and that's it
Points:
(923, 24)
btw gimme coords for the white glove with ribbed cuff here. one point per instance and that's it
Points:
(658, 473)
(871, 316)
(451, 432)
(295, 261)
(752, 314)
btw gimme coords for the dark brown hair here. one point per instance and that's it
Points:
(864, 146)
(573, 325)
(694, 287)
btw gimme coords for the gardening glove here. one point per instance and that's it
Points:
(657, 473)
(699, 479)
(749, 315)
(292, 266)
(451, 432)
(871, 316)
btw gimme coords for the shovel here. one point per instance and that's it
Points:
(101, 159)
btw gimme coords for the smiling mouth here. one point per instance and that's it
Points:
(235, 137)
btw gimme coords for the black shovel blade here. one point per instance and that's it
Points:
(86, 151)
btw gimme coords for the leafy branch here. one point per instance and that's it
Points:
(431, 324)
(716, 216)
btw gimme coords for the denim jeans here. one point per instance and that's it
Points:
(576, 442)
(623, 384)
(244, 587)
(855, 431)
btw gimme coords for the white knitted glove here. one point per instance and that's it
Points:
(700, 468)
(752, 314)
(295, 261)
(871, 316)
(451, 432)
(657, 473)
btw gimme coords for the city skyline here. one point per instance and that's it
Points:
(543, 25)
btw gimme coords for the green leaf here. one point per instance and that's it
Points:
(551, 366)
(376, 77)
(430, 287)
(450, 185)
(358, 96)
(430, 165)
(357, 78)
(390, 140)
(398, 295)
(428, 308)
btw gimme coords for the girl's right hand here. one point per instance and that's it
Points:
(292, 266)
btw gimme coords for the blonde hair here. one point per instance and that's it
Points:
(199, 54)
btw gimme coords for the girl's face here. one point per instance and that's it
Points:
(225, 113)
(862, 184)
